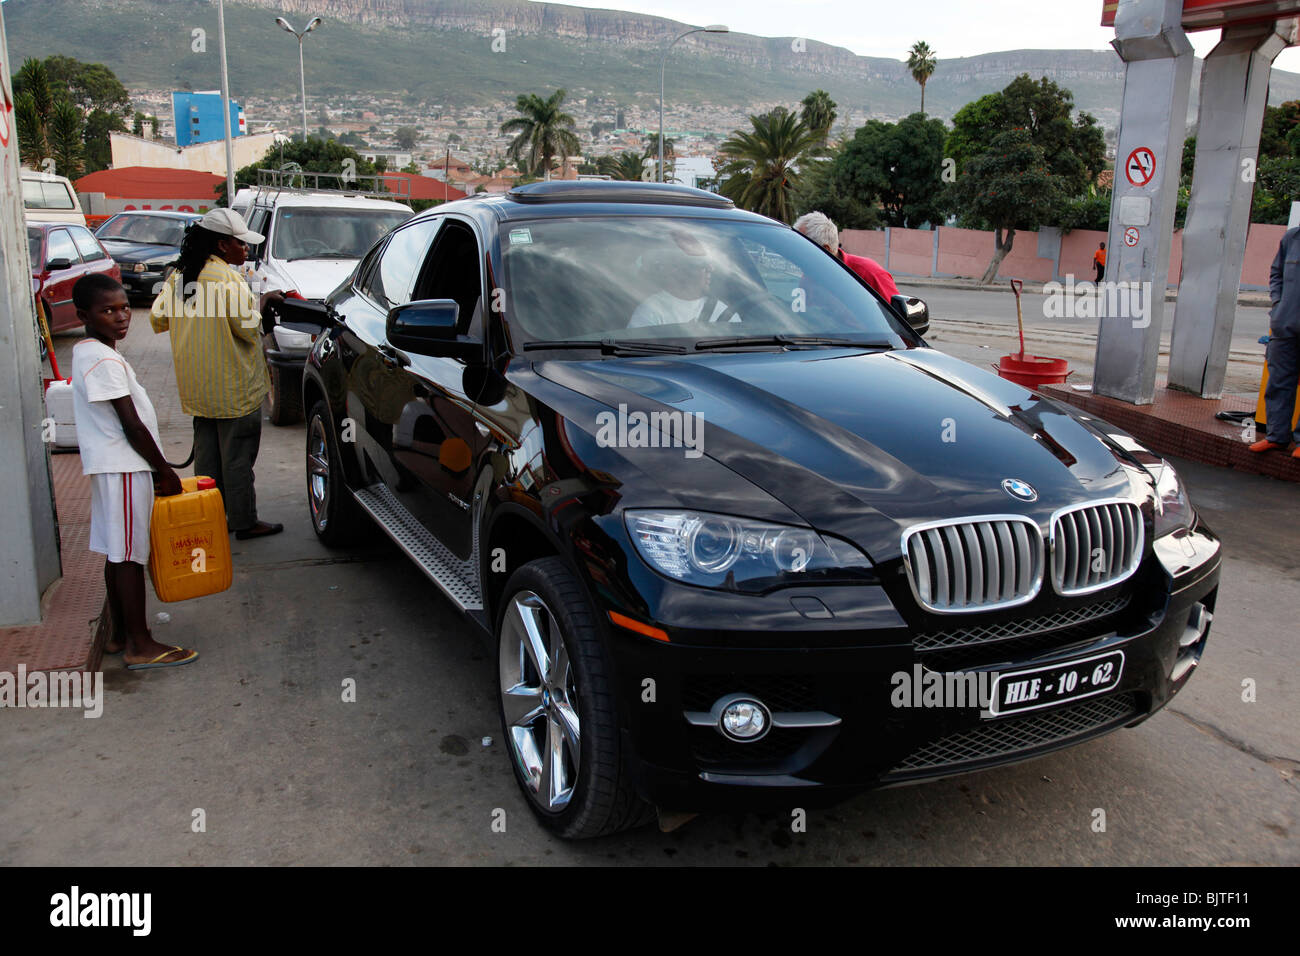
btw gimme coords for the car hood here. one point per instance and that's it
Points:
(864, 444)
(316, 278)
(124, 251)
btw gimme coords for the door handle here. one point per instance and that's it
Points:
(392, 357)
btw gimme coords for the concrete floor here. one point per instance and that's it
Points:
(257, 737)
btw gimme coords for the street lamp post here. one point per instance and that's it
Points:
(712, 28)
(302, 74)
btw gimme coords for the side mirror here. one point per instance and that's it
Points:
(913, 311)
(56, 264)
(428, 327)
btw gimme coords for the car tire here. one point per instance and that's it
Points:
(547, 623)
(335, 515)
(284, 400)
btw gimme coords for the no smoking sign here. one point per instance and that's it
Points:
(1140, 166)
(1131, 236)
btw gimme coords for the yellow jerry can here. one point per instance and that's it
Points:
(189, 544)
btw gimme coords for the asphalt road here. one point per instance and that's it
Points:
(256, 734)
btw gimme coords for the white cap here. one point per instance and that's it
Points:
(227, 222)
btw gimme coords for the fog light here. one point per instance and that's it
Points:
(744, 719)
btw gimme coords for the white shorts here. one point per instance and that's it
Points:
(120, 508)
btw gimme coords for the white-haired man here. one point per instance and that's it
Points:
(818, 227)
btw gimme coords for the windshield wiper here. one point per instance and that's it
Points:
(606, 346)
(792, 341)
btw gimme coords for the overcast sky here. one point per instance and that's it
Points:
(953, 28)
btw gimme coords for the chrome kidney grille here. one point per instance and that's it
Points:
(970, 565)
(1095, 545)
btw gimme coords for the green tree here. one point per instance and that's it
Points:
(542, 132)
(66, 139)
(100, 103)
(314, 156)
(898, 165)
(1279, 121)
(819, 191)
(762, 163)
(407, 137)
(921, 64)
(1277, 184)
(1008, 187)
(818, 113)
(1075, 149)
(1090, 211)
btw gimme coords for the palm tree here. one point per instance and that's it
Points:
(628, 165)
(34, 109)
(921, 62)
(762, 165)
(819, 113)
(542, 133)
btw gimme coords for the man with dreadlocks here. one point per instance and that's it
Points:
(215, 322)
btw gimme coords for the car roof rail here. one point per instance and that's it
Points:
(272, 182)
(617, 191)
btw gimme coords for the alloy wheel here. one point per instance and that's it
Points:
(540, 701)
(318, 473)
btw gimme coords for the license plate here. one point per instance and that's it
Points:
(1035, 688)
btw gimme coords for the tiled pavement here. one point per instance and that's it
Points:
(64, 640)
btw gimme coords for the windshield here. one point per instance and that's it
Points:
(681, 281)
(47, 194)
(154, 230)
(331, 233)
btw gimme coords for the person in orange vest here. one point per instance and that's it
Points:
(1099, 261)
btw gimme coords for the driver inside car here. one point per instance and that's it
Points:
(685, 276)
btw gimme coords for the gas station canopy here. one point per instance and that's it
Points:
(1213, 14)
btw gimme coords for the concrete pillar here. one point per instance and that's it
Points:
(1234, 91)
(29, 544)
(1157, 83)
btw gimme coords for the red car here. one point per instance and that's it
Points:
(61, 254)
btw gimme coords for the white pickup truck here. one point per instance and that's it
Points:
(313, 242)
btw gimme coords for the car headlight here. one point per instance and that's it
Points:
(1172, 509)
(719, 551)
(138, 267)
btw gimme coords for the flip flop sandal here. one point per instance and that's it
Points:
(159, 662)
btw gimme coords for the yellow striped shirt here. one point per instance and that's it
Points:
(216, 342)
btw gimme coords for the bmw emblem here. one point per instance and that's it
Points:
(1019, 489)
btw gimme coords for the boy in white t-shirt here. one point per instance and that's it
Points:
(117, 432)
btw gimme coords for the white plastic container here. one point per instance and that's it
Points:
(58, 406)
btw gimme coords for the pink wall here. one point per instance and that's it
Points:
(911, 252)
(864, 242)
(966, 253)
(1261, 247)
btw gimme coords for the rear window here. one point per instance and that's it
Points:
(155, 230)
(43, 194)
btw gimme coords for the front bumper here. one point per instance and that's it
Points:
(817, 666)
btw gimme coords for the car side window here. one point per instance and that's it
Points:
(86, 244)
(452, 272)
(391, 282)
(258, 222)
(61, 246)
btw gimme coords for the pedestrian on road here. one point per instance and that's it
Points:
(215, 322)
(820, 229)
(1283, 352)
(1099, 261)
(117, 432)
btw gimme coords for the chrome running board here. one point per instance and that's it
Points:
(458, 579)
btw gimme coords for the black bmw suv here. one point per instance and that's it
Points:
(740, 537)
